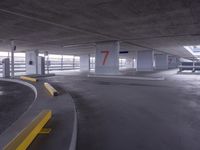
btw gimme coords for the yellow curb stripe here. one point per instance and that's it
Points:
(29, 133)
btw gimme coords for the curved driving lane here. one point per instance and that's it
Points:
(136, 115)
(14, 100)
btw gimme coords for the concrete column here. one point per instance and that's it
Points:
(13, 48)
(107, 58)
(161, 61)
(145, 60)
(85, 62)
(41, 65)
(73, 65)
(32, 62)
(61, 62)
(6, 67)
(135, 63)
(46, 59)
(172, 62)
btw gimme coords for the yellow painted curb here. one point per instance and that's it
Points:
(29, 78)
(51, 89)
(28, 134)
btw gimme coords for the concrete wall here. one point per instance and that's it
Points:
(161, 61)
(107, 64)
(145, 60)
(85, 62)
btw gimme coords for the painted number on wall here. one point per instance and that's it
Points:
(106, 53)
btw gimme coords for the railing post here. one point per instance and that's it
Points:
(13, 48)
(73, 62)
(61, 62)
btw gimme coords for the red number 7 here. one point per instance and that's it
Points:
(106, 52)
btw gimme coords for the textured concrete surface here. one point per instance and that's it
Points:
(50, 24)
(116, 114)
(14, 101)
(61, 122)
(132, 114)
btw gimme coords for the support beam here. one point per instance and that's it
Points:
(107, 57)
(46, 55)
(85, 62)
(41, 65)
(161, 61)
(145, 60)
(173, 62)
(32, 62)
(61, 62)
(6, 67)
(13, 47)
(73, 65)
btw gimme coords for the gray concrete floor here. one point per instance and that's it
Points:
(120, 114)
(117, 114)
(14, 101)
(61, 122)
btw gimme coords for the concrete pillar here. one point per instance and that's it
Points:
(145, 60)
(107, 57)
(61, 63)
(6, 67)
(13, 48)
(85, 62)
(135, 63)
(172, 62)
(32, 62)
(41, 65)
(161, 61)
(46, 59)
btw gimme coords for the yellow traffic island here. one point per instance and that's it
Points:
(30, 132)
(28, 78)
(51, 89)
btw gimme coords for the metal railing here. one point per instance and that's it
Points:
(63, 62)
(20, 66)
(57, 65)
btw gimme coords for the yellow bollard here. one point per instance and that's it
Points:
(29, 78)
(51, 89)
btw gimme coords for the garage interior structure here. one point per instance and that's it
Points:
(100, 75)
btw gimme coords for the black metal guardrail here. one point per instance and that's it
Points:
(191, 66)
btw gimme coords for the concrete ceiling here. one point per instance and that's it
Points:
(164, 25)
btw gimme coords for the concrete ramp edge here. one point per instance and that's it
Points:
(23, 83)
(73, 142)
